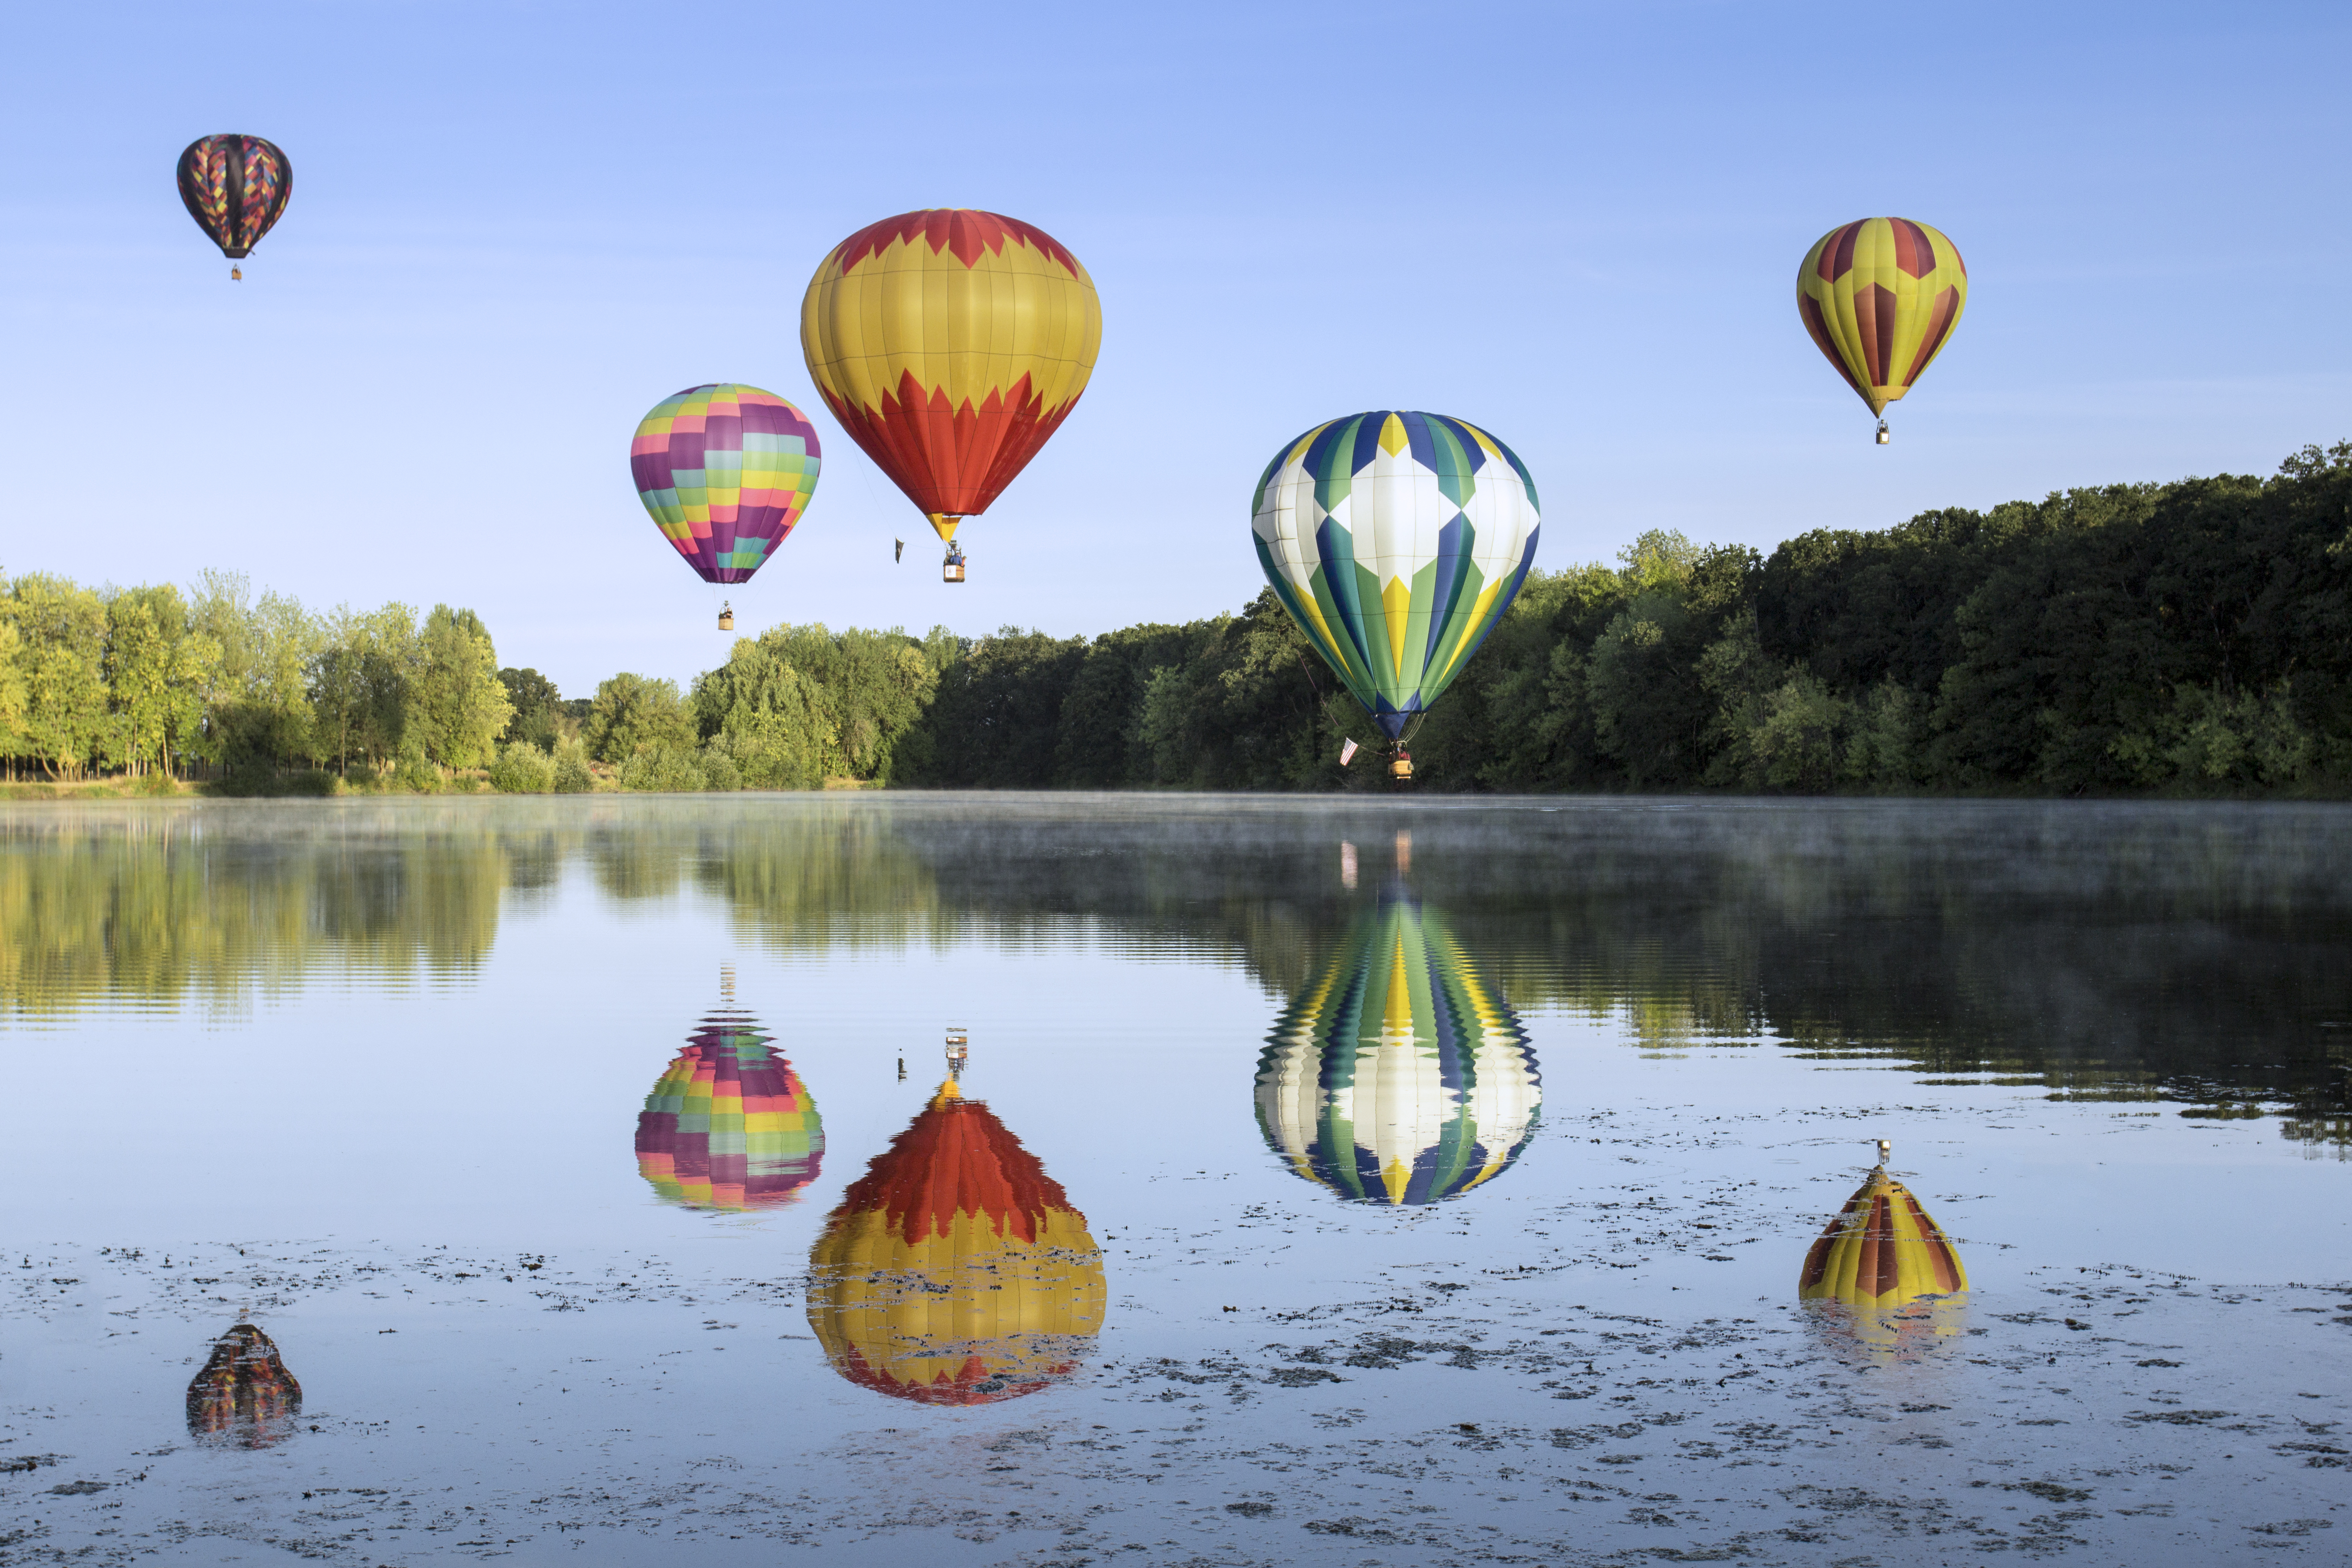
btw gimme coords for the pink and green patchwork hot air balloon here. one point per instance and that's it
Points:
(729, 1126)
(726, 470)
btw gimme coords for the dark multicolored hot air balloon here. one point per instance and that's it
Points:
(1882, 1250)
(1395, 541)
(729, 1126)
(951, 344)
(955, 1270)
(244, 1397)
(234, 188)
(725, 470)
(1398, 1076)
(1880, 297)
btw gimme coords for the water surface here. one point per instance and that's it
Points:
(1325, 1180)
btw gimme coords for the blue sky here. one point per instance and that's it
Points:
(515, 227)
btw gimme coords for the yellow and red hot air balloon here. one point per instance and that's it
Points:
(955, 1270)
(1882, 1250)
(1881, 296)
(951, 344)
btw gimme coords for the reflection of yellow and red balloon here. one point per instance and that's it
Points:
(244, 1396)
(731, 1125)
(1882, 1250)
(955, 1270)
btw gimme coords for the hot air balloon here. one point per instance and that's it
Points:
(244, 1397)
(730, 1126)
(955, 1270)
(1396, 540)
(1881, 296)
(952, 343)
(234, 188)
(725, 470)
(1398, 1076)
(1882, 1250)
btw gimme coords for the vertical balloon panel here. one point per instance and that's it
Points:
(1398, 1076)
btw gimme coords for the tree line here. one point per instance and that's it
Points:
(2187, 637)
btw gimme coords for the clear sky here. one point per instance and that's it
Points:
(515, 227)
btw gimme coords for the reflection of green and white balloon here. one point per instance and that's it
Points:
(1395, 540)
(1398, 1076)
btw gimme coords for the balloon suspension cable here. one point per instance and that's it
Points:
(959, 1053)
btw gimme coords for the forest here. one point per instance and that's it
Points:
(2193, 638)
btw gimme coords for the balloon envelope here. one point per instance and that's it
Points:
(951, 344)
(1880, 1250)
(1880, 297)
(955, 1270)
(234, 188)
(243, 1396)
(729, 1126)
(1395, 540)
(725, 470)
(1398, 1076)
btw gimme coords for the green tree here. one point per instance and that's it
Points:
(631, 713)
(457, 704)
(62, 660)
(157, 668)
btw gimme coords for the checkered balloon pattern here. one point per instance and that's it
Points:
(726, 470)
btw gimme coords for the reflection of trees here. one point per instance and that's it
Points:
(2195, 953)
(172, 903)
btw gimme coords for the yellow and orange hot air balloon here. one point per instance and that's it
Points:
(1882, 1250)
(955, 1270)
(951, 344)
(1881, 296)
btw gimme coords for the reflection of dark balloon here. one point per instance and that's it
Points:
(1398, 1076)
(729, 1126)
(244, 1397)
(955, 1270)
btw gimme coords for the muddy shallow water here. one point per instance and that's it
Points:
(1332, 1183)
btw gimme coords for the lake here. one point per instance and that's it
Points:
(1051, 1180)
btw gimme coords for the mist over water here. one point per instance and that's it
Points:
(1327, 1180)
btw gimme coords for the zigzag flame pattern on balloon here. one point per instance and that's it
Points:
(955, 1271)
(234, 188)
(1395, 540)
(1399, 1077)
(952, 343)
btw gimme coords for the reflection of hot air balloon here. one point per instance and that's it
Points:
(1398, 1076)
(952, 343)
(1881, 296)
(955, 1270)
(1395, 541)
(234, 188)
(244, 1397)
(726, 470)
(1880, 1250)
(729, 1126)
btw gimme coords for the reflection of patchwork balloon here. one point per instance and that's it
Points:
(1398, 1076)
(1880, 1250)
(955, 1270)
(1396, 540)
(244, 1397)
(731, 1125)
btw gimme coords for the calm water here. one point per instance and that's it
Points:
(587, 1181)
